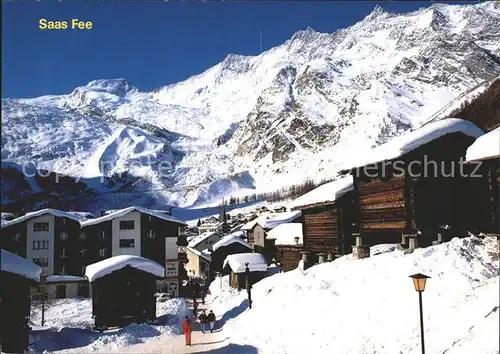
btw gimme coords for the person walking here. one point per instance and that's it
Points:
(187, 329)
(211, 320)
(203, 321)
(195, 307)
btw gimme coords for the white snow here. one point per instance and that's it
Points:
(12, 263)
(485, 147)
(200, 238)
(64, 279)
(326, 193)
(125, 211)
(271, 220)
(102, 268)
(6, 216)
(285, 234)
(412, 140)
(230, 239)
(204, 255)
(55, 212)
(370, 306)
(256, 262)
(68, 323)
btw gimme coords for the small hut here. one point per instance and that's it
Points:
(485, 152)
(17, 276)
(123, 290)
(412, 187)
(230, 244)
(237, 264)
(328, 216)
(288, 240)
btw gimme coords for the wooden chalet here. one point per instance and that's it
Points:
(230, 244)
(288, 240)
(123, 290)
(235, 264)
(18, 275)
(413, 186)
(328, 216)
(485, 152)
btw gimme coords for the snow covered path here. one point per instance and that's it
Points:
(215, 342)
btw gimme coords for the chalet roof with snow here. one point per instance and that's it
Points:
(412, 140)
(256, 262)
(203, 255)
(15, 264)
(327, 193)
(486, 147)
(107, 266)
(35, 214)
(200, 238)
(64, 279)
(230, 239)
(285, 234)
(122, 212)
(269, 221)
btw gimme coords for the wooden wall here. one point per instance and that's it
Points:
(289, 256)
(321, 229)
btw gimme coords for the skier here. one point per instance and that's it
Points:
(187, 328)
(203, 321)
(195, 307)
(211, 320)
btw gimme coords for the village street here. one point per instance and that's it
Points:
(215, 342)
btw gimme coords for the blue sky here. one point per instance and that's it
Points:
(152, 43)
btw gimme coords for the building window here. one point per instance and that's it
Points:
(83, 236)
(152, 233)
(63, 270)
(42, 262)
(102, 252)
(63, 221)
(127, 243)
(150, 218)
(41, 245)
(40, 226)
(64, 252)
(83, 251)
(126, 224)
(103, 234)
(63, 236)
(17, 237)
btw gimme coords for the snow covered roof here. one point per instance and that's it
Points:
(230, 239)
(83, 215)
(12, 263)
(107, 266)
(64, 279)
(325, 194)
(271, 220)
(125, 211)
(485, 147)
(285, 234)
(256, 262)
(35, 214)
(199, 254)
(6, 216)
(410, 141)
(250, 225)
(200, 238)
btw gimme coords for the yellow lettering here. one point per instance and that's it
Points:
(64, 25)
(88, 25)
(74, 23)
(42, 23)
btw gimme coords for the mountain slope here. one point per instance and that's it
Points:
(261, 122)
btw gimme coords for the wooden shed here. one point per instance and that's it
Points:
(230, 244)
(485, 154)
(17, 276)
(413, 185)
(288, 240)
(236, 265)
(328, 217)
(123, 290)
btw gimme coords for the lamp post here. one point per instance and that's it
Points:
(248, 285)
(419, 283)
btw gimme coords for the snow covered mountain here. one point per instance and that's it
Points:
(261, 122)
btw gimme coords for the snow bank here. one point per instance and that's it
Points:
(109, 265)
(412, 140)
(485, 147)
(326, 193)
(34, 214)
(12, 263)
(285, 234)
(230, 239)
(256, 262)
(68, 323)
(370, 305)
(125, 211)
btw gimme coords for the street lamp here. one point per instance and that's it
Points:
(419, 280)
(248, 285)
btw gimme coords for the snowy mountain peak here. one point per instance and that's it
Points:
(377, 13)
(119, 87)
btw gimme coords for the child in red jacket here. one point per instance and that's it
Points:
(187, 328)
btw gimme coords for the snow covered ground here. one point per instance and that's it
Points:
(68, 323)
(370, 306)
